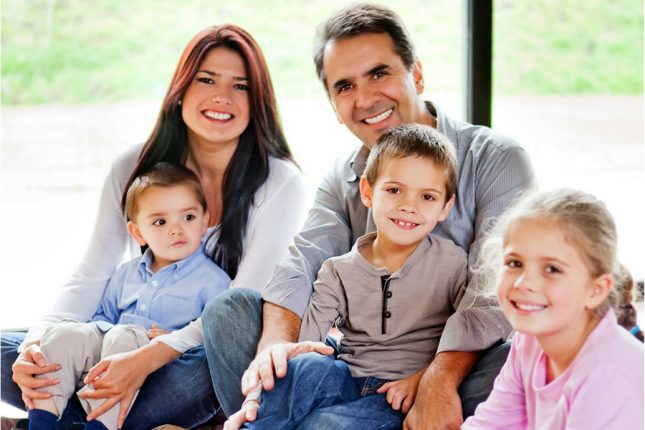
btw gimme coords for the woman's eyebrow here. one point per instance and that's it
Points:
(211, 73)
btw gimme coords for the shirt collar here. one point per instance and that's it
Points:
(145, 264)
(437, 114)
(418, 253)
(357, 163)
(178, 268)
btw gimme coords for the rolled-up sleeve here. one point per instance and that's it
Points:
(109, 244)
(325, 307)
(478, 322)
(326, 233)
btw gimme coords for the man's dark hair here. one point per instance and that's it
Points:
(358, 19)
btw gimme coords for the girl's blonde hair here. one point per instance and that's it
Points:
(584, 220)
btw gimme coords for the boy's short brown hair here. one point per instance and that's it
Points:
(161, 175)
(414, 140)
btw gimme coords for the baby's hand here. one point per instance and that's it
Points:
(156, 331)
(401, 393)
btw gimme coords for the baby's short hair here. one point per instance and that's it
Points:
(161, 175)
(414, 140)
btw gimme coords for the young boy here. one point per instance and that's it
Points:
(164, 289)
(391, 296)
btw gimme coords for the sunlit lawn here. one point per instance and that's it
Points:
(65, 51)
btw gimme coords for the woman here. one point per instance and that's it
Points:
(219, 119)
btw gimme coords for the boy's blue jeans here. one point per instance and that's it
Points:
(179, 393)
(232, 327)
(323, 384)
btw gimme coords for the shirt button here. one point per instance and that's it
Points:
(155, 283)
(144, 307)
(388, 314)
(388, 294)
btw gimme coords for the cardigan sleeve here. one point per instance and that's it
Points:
(274, 220)
(326, 233)
(107, 248)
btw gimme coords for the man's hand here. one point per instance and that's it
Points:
(401, 394)
(260, 371)
(248, 413)
(275, 357)
(438, 405)
(31, 362)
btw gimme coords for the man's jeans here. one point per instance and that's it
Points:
(179, 393)
(323, 384)
(232, 327)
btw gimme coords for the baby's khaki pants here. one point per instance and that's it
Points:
(79, 346)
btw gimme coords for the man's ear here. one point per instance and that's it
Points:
(446, 209)
(417, 74)
(136, 233)
(600, 289)
(366, 192)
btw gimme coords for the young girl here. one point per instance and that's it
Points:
(571, 365)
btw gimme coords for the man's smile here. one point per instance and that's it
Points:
(378, 118)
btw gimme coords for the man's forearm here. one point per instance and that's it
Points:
(278, 325)
(449, 368)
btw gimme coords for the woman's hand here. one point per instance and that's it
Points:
(401, 394)
(117, 379)
(31, 362)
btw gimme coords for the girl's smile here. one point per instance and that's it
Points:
(544, 283)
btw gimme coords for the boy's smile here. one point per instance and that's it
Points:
(405, 225)
(408, 199)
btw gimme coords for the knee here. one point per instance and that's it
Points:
(122, 338)
(233, 304)
(118, 332)
(494, 357)
(10, 344)
(312, 363)
(67, 333)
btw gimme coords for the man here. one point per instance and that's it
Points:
(366, 60)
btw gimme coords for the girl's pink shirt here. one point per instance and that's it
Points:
(602, 389)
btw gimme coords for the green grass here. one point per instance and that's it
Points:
(73, 51)
(568, 46)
